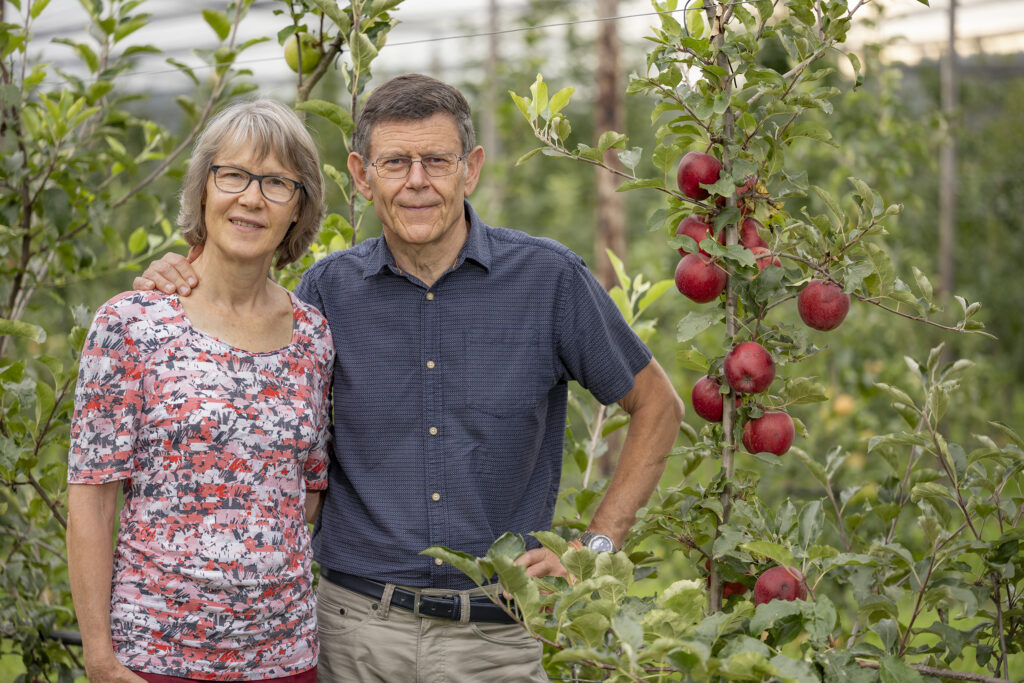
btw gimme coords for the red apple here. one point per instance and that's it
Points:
(822, 305)
(729, 588)
(745, 189)
(749, 368)
(779, 583)
(694, 169)
(695, 227)
(699, 279)
(707, 400)
(764, 258)
(750, 235)
(773, 432)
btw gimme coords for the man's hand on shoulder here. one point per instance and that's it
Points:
(171, 272)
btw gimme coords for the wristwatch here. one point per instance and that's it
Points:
(597, 542)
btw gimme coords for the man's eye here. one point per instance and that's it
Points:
(396, 162)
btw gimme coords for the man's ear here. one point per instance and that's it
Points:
(474, 164)
(360, 175)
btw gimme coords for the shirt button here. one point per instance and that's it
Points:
(438, 561)
(430, 296)
(430, 365)
(433, 431)
(435, 497)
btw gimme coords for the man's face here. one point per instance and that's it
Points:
(419, 211)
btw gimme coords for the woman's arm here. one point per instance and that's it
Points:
(91, 510)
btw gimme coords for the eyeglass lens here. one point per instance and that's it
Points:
(274, 188)
(435, 165)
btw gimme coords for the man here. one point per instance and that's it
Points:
(455, 345)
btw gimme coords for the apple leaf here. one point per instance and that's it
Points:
(363, 51)
(334, 113)
(552, 541)
(22, 329)
(772, 551)
(218, 21)
(692, 359)
(464, 562)
(559, 100)
(696, 322)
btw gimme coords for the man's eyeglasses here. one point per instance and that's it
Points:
(275, 188)
(434, 165)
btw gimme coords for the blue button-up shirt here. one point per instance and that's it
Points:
(450, 400)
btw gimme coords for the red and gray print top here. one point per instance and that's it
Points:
(215, 446)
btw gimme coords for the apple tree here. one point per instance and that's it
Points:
(915, 575)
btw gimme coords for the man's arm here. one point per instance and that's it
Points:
(171, 272)
(91, 509)
(314, 501)
(655, 413)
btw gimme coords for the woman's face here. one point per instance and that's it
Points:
(246, 226)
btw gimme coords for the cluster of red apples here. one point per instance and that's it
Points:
(749, 367)
(777, 583)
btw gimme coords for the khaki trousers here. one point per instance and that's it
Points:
(365, 640)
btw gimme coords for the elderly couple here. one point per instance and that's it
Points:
(412, 392)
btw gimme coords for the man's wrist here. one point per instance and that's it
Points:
(598, 542)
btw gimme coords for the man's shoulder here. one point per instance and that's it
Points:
(506, 241)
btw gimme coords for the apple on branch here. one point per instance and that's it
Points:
(773, 432)
(749, 368)
(309, 54)
(699, 279)
(779, 583)
(822, 305)
(695, 169)
(696, 227)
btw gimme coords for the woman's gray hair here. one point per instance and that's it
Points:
(266, 127)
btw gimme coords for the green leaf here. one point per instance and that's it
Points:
(772, 551)
(219, 22)
(580, 563)
(653, 294)
(620, 270)
(559, 100)
(551, 541)
(811, 130)
(894, 670)
(464, 562)
(1008, 431)
(138, 241)
(508, 545)
(363, 51)
(696, 322)
(610, 139)
(17, 328)
(539, 90)
(333, 12)
(640, 183)
(334, 113)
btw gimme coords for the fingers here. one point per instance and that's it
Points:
(172, 272)
(541, 562)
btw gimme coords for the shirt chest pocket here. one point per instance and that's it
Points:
(508, 372)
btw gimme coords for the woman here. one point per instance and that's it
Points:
(211, 413)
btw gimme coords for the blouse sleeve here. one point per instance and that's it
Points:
(108, 402)
(315, 470)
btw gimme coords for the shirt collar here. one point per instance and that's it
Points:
(476, 248)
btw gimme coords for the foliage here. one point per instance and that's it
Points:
(88, 190)
(916, 573)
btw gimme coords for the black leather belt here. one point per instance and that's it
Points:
(439, 607)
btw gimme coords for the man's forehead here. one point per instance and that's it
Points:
(432, 130)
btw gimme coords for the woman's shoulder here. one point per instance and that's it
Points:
(150, 317)
(311, 322)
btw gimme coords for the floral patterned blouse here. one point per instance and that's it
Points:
(215, 446)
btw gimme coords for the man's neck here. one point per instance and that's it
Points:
(429, 262)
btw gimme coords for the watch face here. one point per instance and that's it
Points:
(600, 543)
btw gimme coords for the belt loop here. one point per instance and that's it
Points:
(416, 604)
(385, 600)
(465, 605)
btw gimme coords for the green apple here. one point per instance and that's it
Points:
(310, 53)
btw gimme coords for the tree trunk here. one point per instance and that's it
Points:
(610, 114)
